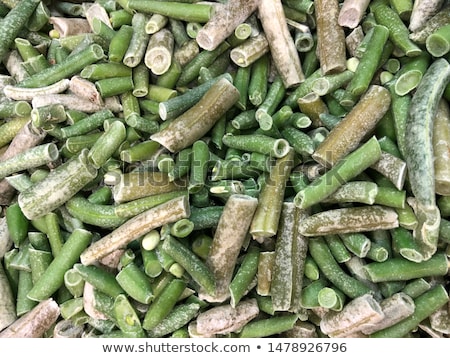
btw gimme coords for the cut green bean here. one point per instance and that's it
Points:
(66, 180)
(200, 118)
(398, 32)
(70, 66)
(127, 318)
(265, 221)
(237, 205)
(362, 116)
(425, 305)
(135, 283)
(163, 304)
(325, 185)
(403, 269)
(53, 277)
(244, 276)
(179, 11)
(423, 105)
(269, 326)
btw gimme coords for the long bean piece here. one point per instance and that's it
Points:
(419, 153)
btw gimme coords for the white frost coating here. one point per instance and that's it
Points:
(226, 319)
(170, 211)
(351, 12)
(223, 22)
(358, 313)
(227, 242)
(5, 239)
(395, 308)
(34, 323)
(392, 168)
(348, 220)
(27, 94)
(422, 11)
(69, 26)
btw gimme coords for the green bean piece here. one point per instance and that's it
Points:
(158, 55)
(398, 32)
(284, 54)
(268, 327)
(190, 262)
(440, 132)
(404, 244)
(127, 318)
(265, 221)
(178, 318)
(119, 43)
(348, 220)
(139, 40)
(53, 277)
(74, 283)
(87, 124)
(241, 82)
(182, 228)
(70, 66)
(354, 191)
(14, 22)
(100, 279)
(200, 118)
(8, 130)
(333, 272)
(330, 37)
(362, 116)
(173, 107)
(260, 143)
(357, 243)
(17, 224)
(437, 43)
(339, 174)
(404, 269)
(410, 73)
(186, 12)
(369, 62)
(105, 146)
(203, 59)
(53, 231)
(114, 86)
(425, 304)
(8, 309)
(244, 276)
(139, 151)
(423, 107)
(358, 313)
(271, 101)
(66, 180)
(338, 249)
(39, 262)
(331, 298)
(206, 217)
(151, 264)
(135, 283)
(101, 215)
(135, 227)
(258, 86)
(250, 51)
(310, 293)
(163, 304)
(416, 287)
(23, 303)
(199, 166)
